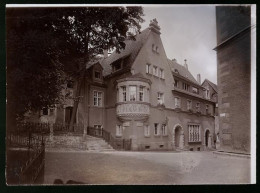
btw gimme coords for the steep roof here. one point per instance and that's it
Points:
(131, 50)
(214, 86)
(184, 72)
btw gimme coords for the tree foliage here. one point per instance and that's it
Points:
(45, 44)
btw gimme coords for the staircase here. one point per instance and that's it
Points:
(74, 142)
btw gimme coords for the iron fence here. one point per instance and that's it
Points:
(64, 127)
(33, 127)
(27, 170)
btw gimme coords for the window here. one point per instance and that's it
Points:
(161, 73)
(198, 107)
(194, 133)
(195, 90)
(119, 130)
(153, 47)
(176, 83)
(124, 93)
(155, 71)
(97, 98)
(146, 130)
(141, 93)
(207, 109)
(160, 98)
(185, 86)
(164, 130)
(207, 94)
(189, 105)
(117, 66)
(132, 93)
(177, 102)
(97, 75)
(45, 111)
(148, 70)
(156, 49)
(156, 129)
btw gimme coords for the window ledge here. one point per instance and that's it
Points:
(118, 136)
(166, 135)
(147, 136)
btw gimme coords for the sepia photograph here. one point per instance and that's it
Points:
(130, 94)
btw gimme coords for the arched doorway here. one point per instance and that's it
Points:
(178, 137)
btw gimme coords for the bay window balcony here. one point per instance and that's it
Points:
(133, 98)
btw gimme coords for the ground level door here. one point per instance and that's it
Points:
(68, 115)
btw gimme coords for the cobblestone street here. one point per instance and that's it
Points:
(145, 168)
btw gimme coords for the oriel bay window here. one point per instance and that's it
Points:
(97, 98)
(137, 92)
(132, 93)
(194, 133)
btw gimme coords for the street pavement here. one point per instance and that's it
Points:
(151, 168)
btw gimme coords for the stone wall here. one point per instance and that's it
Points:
(234, 62)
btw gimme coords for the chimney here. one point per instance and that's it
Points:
(185, 64)
(105, 52)
(198, 78)
(174, 60)
(153, 26)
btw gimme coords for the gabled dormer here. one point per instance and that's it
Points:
(210, 90)
(96, 71)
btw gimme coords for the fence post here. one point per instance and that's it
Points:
(123, 144)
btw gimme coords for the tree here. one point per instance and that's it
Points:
(34, 78)
(91, 30)
(40, 42)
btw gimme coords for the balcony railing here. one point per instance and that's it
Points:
(130, 110)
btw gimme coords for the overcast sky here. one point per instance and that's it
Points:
(188, 32)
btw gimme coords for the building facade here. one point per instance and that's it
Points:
(142, 95)
(234, 76)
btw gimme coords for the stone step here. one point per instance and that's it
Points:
(77, 142)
